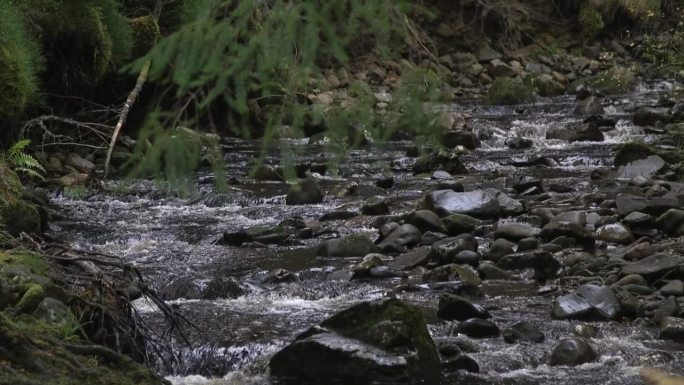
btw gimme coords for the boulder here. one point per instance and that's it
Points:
(579, 133)
(418, 256)
(498, 249)
(381, 341)
(672, 328)
(440, 159)
(674, 287)
(553, 230)
(572, 352)
(570, 306)
(478, 203)
(602, 299)
(456, 224)
(454, 307)
(478, 328)
(615, 233)
(375, 206)
(643, 167)
(452, 272)
(670, 221)
(544, 264)
(653, 267)
(445, 250)
(401, 237)
(304, 192)
(488, 270)
(523, 331)
(425, 220)
(650, 116)
(467, 139)
(467, 257)
(627, 204)
(355, 245)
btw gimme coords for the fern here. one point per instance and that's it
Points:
(20, 161)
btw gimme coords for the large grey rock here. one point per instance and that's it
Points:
(478, 203)
(643, 167)
(385, 341)
(627, 204)
(652, 267)
(571, 352)
(602, 299)
(355, 245)
(418, 256)
(516, 231)
(570, 306)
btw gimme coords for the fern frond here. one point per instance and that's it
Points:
(22, 162)
(19, 147)
(29, 172)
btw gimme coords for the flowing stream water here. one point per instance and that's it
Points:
(172, 241)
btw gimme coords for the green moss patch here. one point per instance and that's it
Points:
(509, 91)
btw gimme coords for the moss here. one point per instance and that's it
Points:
(10, 185)
(35, 262)
(590, 21)
(32, 297)
(509, 91)
(145, 34)
(20, 62)
(20, 217)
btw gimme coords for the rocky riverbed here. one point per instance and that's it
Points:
(537, 252)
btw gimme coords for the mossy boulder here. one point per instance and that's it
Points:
(385, 341)
(632, 151)
(613, 81)
(509, 91)
(20, 217)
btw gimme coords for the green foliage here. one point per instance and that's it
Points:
(173, 154)
(256, 59)
(78, 191)
(82, 39)
(22, 162)
(20, 62)
(590, 20)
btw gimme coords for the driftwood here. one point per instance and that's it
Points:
(142, 78)
(117, 284)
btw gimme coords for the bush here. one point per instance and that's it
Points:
(20, 62)
(613, 81)
(590, 20)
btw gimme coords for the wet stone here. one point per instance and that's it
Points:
(402, 236)
(430, 237)
(672, 328)
(479, 203)
(572, 352)
(460, 362)
(516, 231)
(522, 331)
(478, 328)
(570, 306)
(304, 192)
(467, 257)
(489, 270)
(375, 206)
(355, 245)
(426, 220)
(674, 287)
(615, 233)
(454, 307)
(498, 249)
(456, 224)
(644, 167)
(418, 256)
(652, 267)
